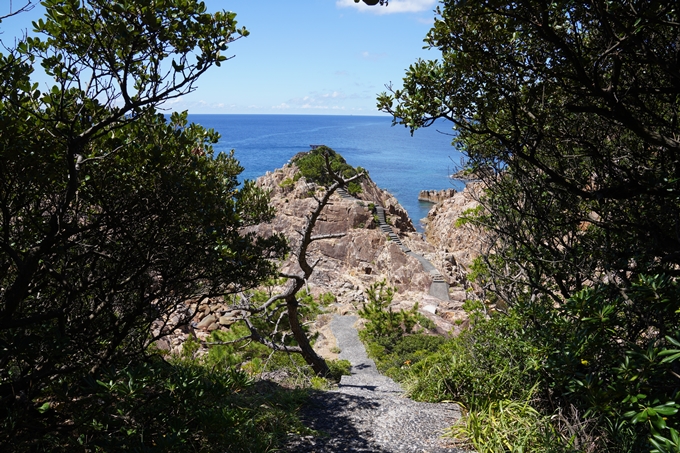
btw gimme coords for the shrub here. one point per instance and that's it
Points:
(492, 361)
(354, 189)
(312, 166)
(162, 407)
(395, 339)
(508, 426)
(339, 368)
(286, 183)
(614, 354)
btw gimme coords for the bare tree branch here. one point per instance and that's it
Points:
(27, 7)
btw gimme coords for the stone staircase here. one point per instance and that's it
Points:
(439, 288)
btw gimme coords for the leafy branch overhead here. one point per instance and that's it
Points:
(124, 55)
(111, 214)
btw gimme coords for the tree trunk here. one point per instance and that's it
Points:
(317, 363)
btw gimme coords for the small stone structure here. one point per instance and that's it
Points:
(436, 196)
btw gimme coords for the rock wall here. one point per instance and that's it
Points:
(363, 256)
(350, 264)
(458, 245)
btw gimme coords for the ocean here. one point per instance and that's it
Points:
(398, 162)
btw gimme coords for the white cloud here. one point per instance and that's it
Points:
(322, 107)
(324, 100)
(372, 56)
(209, 105)
(394, 7)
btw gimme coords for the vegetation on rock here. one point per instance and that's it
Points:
(277, 322)
(312, 166)
(397, 340)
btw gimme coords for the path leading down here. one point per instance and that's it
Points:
(439, 288)
(368, 412)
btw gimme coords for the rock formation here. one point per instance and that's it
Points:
(364, 255)
(436, 196)
(459, 244)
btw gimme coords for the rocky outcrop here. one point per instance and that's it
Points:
(348, 265)
(364, 255)
(361, 257)
(457, 245)
(436, 196)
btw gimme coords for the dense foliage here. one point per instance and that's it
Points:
(396, 340)
(312, 166)
(156, 406)
(281, 346)
(568, 111)
(111, 216)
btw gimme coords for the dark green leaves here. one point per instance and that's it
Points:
(111, 218)
(570, 109)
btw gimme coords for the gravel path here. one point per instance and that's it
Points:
(368, 412)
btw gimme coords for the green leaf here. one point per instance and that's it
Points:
(662, 410)
(44, 408)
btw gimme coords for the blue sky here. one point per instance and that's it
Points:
(328, 57)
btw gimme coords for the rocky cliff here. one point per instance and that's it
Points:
(458, 245)
(363, 255)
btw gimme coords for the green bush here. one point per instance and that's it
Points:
(579, 355)
(508, 426)
(339, 368)
(614, 354)
(312, 166)
(286, 183)
(157, 406)
(395, 339)
(384, 323)
(494, 360)
(354, 188)
(326, 299)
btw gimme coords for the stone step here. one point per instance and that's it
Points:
(439, 287)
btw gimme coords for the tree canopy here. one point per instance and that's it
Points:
(111, 214)
(574, 106)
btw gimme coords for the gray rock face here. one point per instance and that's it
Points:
(207, 322)
(363, 255)
(462, 244)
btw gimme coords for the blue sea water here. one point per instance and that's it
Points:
(398, 162)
